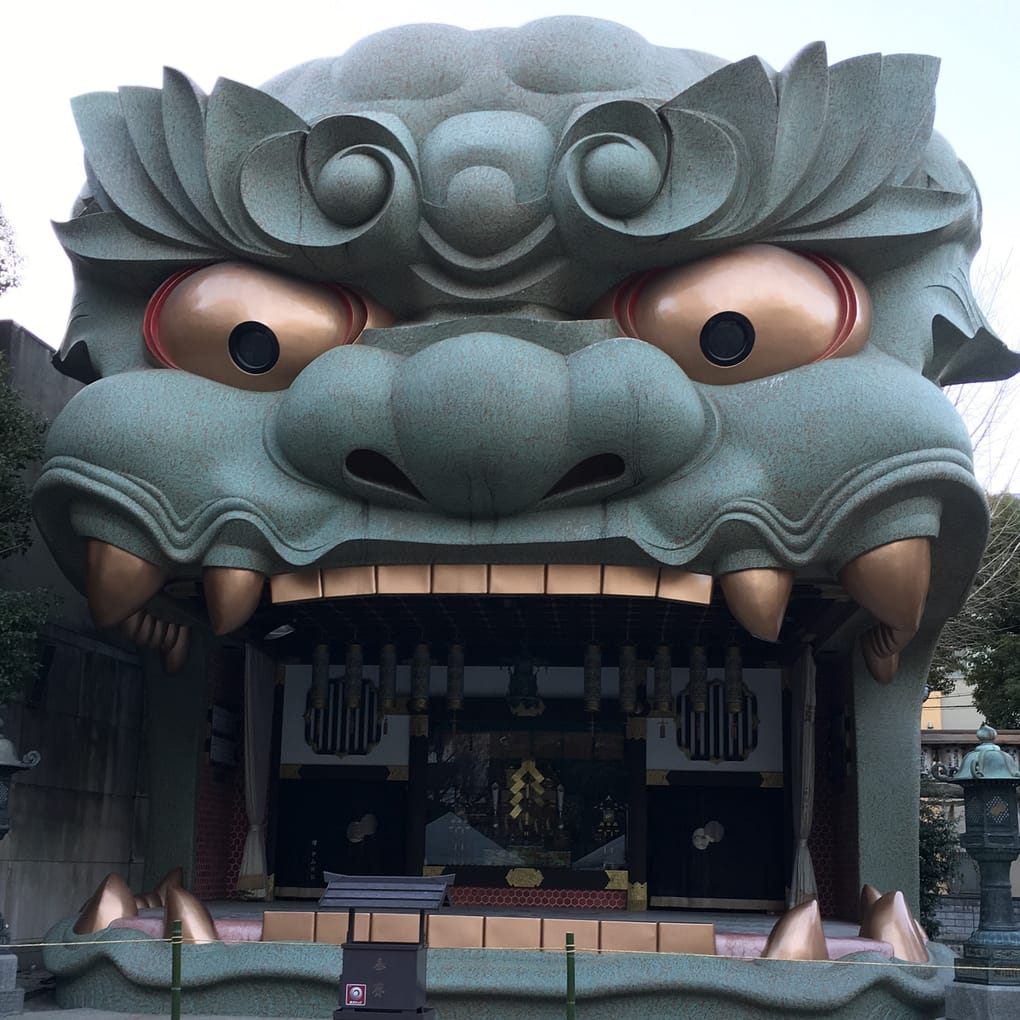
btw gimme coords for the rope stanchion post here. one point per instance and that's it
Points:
(571, 1006)
(176, 939)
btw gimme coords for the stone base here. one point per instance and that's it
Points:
(385, 1014)
(12, 1000)
(8, 970)
(982, 1002)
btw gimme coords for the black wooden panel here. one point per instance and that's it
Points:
(746, 864)
(312, 829)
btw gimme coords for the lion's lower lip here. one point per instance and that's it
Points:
(891, 581)
(493, 579)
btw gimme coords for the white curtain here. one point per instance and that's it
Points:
(259, 678)
(803, 886)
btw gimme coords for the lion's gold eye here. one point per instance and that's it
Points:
(746, 314)
(250, 327)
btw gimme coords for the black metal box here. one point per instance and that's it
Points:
(387, 976)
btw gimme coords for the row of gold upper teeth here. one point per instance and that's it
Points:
(891, 582)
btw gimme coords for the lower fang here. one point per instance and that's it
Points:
(175, 656)
(118, 583)
(798, 935)
(881, 647)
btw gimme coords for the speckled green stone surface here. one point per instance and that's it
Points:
(275, 979)
(488, 188)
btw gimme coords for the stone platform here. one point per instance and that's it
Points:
(128, 970)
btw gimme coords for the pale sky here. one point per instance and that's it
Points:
(55, 50)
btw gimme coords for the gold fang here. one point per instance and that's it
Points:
(797, 935)
(119, 583)
(231, 595)
(889, 920)
(669, 583)
(757, 598)
(111, 900)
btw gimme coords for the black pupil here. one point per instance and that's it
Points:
(727, 338)
(253, 347)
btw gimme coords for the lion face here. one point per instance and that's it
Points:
(490, 312)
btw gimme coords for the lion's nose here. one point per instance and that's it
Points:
(488, 425)
(483, 422)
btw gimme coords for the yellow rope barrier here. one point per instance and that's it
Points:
(843, 962)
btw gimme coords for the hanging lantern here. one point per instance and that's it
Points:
(455, 678)
(592, 678)
(628, 679)
(663, 680)
(388, 677)
(733, 680)
(697, 689)
(421, 670)
(320, 676)
(352, 676)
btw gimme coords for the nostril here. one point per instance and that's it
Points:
(597, 470)
(374, 468)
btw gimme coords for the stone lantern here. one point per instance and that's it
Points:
(989, 777)
(10, 763)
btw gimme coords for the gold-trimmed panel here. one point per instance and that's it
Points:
(524, 878)
(637, 896)
(617, 880)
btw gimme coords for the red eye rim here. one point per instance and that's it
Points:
(848, 299)
(150, 324)
(629, 293)
(357, 311)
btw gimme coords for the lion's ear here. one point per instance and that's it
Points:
(958, 357)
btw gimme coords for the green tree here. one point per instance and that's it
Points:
(990, 660)
(983, 640)
(937, 853)
(22, 613)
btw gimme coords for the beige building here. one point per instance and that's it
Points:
(949, 723)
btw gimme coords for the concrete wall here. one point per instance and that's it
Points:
(45, 391)
(78, 815)
(82, 812)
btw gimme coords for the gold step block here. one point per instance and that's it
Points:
(513, 933)
(586, 934)
(331, 927)
(288, 926)
(628, 937)
(395, 927)
(685, 937)
(456, 931)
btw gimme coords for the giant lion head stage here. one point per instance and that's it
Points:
(545, 314)
(548, 295)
